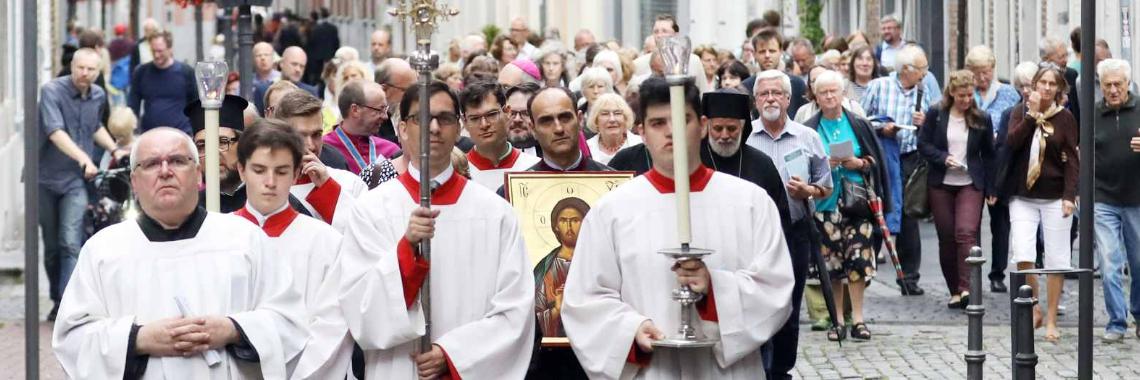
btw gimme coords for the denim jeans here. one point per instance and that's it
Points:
(1118, 243)
(61, 222)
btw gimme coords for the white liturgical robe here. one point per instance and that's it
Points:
(490, 175)
(618, 280)
(130, 273)
(331, 201)
(482, 290)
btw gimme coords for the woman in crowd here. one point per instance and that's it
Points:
(449, 73)
(595, 82)
(957, 144)
(808, 110)
(609, 60)
(993, 97)
(346, 71)
(612, 120)
(846, 241)
(710, 61)
(552, 64)
(1042, 180)
(860, 71)
(730, 74)
(503, 50)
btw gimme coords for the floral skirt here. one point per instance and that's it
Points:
(846, 247)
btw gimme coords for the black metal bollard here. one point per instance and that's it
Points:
(975, 357)
(1024, 357)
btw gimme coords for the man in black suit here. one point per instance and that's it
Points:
(323, 41)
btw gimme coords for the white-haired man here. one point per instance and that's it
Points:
(899, 101)
(1117, 205)
(1055, 51)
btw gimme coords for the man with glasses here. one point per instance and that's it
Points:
(180, 292)
(894, 98)
(396, 75)
(482, 289)
(520, 36)
(485, 119)
(230, 124)
(519, 124)
(364, 108)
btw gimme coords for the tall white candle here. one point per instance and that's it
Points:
(680, 162)
(213, 199)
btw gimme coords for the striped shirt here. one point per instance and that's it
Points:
(794, 138)
(886, 97)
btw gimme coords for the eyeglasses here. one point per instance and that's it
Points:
(445, 119)
(386, 85)
(224, 144)
(177, 162)
(770, 94)
(381, 109)
(518, 114)
(491, 116)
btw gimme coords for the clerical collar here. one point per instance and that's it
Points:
(446, 193)
(273, 224)
(188, 230)
(505, 161)
(552, 165)
(665, 185)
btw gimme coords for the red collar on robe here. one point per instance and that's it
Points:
(482, 163)
(276, 224)
(446, 194)
(697, 181)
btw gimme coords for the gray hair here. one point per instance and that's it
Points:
(1114, 65)
(1024, 72)
(890, 18)
(1046, 45)
(785, 82)
(907, 56)
(830, 77)
(192, 149)
(610, 57)
(596, 75)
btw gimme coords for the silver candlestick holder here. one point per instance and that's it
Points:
(688, 335)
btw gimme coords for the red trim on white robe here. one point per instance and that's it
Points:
(665, 185)
(323, 198)
(276, 224)
(446, 194)
(482, 163)
(414, 270)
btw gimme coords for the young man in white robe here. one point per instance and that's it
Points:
(180, 293)
(482, 290)
(617, 298)
(328, 193)
(485, 119)
(269, 161)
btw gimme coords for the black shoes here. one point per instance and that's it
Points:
(910, 289)
(998, 287)
(53, 312)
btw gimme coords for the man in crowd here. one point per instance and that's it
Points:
(485, 119)
(1117, 205)
(263, 72)
(322, 42)
(803, 54)
(1055, 51)
(382, 269)
(230, 125)
(178, 293)
(901, 99)
(292, 66)
(69, 119)
(520, 36)
(380, 48)
(746, 284)
(364, 108)
(890, 28)
(665, 26)
(519, 124)
(161, 88)
(769, 56)
(556, 127)
(396, 75)
(326, 192)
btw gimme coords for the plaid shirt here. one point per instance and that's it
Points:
(886, 97)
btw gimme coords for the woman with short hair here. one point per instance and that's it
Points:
(551, 59)
(612, 121)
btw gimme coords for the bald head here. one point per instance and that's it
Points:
(293, 62)
(396, 75)
(168, 191)
(583, 39)
(511, 75)
(520, 31)
(381, 45)
(263, 58)
(150, 27)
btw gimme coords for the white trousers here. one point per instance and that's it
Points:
(1025, 215)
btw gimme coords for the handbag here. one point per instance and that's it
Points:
(854, 199)
(915, 204)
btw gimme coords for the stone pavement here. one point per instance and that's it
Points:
(12, 352)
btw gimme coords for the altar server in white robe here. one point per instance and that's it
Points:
(269, 160)
(482, 290)
(328, 193)
(485, 118)
(618, 299)
(120, 317)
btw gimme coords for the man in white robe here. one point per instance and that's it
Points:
(327, 193)
(617, 299)
(482, 291)
(485, 119)
(269, 161)
(180, 293)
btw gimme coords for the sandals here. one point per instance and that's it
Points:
(859, 331)
(837, 333)
(1053, 337)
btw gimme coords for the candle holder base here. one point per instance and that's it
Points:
(687, 335)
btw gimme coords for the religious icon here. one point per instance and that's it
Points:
(551, 207)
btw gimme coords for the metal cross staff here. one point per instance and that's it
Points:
(425, 17)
